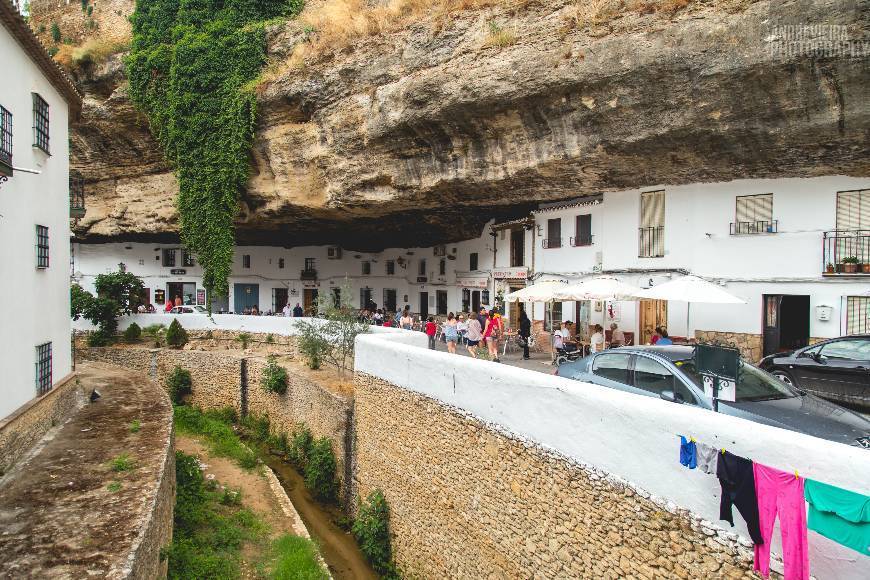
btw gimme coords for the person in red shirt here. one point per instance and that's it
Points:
(169, 305)
(431, 328)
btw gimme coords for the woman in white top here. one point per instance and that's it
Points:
(406, 321)
(596, 341)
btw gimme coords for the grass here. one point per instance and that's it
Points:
(499, 37)
(114, 487)
(122, 463)
(216, 428)
(293, 558)
(91, 52)
(135, 426)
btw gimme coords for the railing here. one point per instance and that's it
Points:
(550, 243)
(309, 274)
(5, 142)
(846, 252)
(651, 242)
(76, 195)
(580, 241)
(755, 227)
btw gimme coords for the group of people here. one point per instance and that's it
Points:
(562, 338)
(295, 312)
(660, 337)
(486, 328)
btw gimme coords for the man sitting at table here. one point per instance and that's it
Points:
(567, 341)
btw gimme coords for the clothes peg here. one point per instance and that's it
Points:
(692, 439)
(796, 476)
(723, 451)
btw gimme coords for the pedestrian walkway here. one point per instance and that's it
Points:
(540, 361)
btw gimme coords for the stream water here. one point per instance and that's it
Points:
(339, 548)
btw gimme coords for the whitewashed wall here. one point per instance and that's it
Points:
(36, 301)
(631, 437)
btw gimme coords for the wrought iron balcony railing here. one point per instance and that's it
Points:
(846, 252)
(308, 274)
(754, 227)
(76, 195)
(651, 242)
(580, 241)
(550, 243)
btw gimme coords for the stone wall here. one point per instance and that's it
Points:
(20, 431)
(470, 501)
(750, 345)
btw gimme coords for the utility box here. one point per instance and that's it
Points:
(823, 312)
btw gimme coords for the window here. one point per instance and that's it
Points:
(442, 268)
(556, 316)
(857, 314)
(390, 299)
(280, 263)
(187, 259)
(518, 248)
(336, 297)
(246, 261)
(583, 230)
(40, 123)
(554, 234)
(651, 236)
(366, 268)
(472, 261)
(484, 297)
(365, 298)
(6, 138)
(43, 368)
(850, 349)
(653, 377)
(309, 263)
(466, 300)
(754, 214)
(41, 247)
(168, 257)
(441, 302)
(612, 366)
(421, 268)
(391, 267)
(853, 210)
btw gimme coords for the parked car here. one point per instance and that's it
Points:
(668, 372)
(189, 309)
(836, 369)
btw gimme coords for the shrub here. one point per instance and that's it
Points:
(55, 32)
(372, 531)
(125, 288)
(79, 301)
(84, 5)
(270, 339)
(320, 470)
(244, 338)
(176, 336)
(274, 377)
(99, 338)
(132, 333)
(52, 51)
(333, 338)
(294, 557)
(180, 385)
(90, 12)
(102, 312)
(257, 427)
(135, 426)
(300, 446)
(222, 440)
(231, 496)
(123, 462)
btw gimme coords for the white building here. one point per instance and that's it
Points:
(770, 242)
(36, 101)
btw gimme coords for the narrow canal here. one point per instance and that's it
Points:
(339, 548)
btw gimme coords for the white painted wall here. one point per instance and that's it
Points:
(628, 436)
(36, 301)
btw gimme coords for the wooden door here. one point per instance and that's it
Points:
(309, 296)
(652, 313)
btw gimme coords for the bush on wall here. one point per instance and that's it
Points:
(372, 531)
(176, 336)
(320, 471)
(133, 332)
(180, 385)
(274, 378)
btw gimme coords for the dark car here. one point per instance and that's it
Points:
(668, 372)
(836, 369)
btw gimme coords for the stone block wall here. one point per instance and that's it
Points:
(216, 376)
(470, 501)
(750, 345)
(20, 431)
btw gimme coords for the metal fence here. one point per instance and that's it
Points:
(651, 242)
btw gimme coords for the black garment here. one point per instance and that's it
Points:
(297, 312)
(738, 489)
(525, 332)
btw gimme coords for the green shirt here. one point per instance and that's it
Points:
(838, 514)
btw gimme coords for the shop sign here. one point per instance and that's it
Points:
(511, 274)
(178, 272)
(310, 284)
(200, 296)
(472, 282)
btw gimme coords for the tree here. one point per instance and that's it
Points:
(125, 288)
(176, 336)
(80, 299)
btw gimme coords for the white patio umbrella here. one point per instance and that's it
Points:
(543, 291)
(690, 289)
(598, 288)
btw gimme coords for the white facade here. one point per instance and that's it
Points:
(36, 194)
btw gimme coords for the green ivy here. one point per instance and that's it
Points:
(191, 68)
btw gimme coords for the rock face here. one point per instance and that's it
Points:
(421, 135)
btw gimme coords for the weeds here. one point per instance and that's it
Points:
(294, 558)
(122, 463)
(114, 487)
(244, 338)
(135, 426)
(213, 426)
(274, 377)
(499, 37)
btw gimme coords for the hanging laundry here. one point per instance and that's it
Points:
(783, 494)
(707, 458)
(687, 453)
(738, 489)
(839, 514)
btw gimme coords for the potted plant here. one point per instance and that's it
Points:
(865, 267)
(829, 268)
(850, 264)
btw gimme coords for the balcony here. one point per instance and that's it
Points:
(756, 227)
(76, 196)
(550, 243)
(846, 252)
(651, 242)
(308, 274)
(580, 241)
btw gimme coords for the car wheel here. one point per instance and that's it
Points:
(784, 377)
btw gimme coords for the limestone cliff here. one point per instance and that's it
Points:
(422, 132)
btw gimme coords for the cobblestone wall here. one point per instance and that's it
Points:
(20, 431)
(750, 345)
(468, 501)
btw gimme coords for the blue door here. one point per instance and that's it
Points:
(245, 296)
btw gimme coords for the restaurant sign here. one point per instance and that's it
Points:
(471, 282)
(511, 274)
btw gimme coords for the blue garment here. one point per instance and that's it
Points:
(688, 453)
(664, 341)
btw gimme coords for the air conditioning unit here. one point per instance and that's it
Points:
(440, 250)
(333, 253)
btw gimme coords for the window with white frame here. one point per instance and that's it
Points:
(754, 214)
(187, 258)
(853, 210)
(43, 368)
(41, 247)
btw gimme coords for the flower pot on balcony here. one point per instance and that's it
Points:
(840, 268)
(829, 269)
(850, 268)
(865, 267)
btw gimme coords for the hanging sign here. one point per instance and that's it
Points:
(178, 272)
(200, 296)
(719, 366)
(472, 282)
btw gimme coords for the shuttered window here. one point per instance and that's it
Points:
(853, 210)
(857, 314)
(583, 230)
(554, 233)
(652, 209)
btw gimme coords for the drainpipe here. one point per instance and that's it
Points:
(492, 279)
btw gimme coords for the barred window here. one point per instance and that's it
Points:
(753, 214)
(40, 123)
(41, 247)
(187, 258)
(43, 368)
(280, 263)
(366, 268)
(391, 267)
(857, 314)
(5, 137)
(246, 260)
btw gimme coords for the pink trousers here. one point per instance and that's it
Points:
(782, 493)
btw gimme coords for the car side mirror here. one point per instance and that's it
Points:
(671, 397)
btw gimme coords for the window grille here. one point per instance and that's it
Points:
(421, 268)
(857, 314)
(309, 263)
(41, 247)
(40, 123)
(366, 268)
(754, 214)
(43, 368)
(651, 234)
(582, 230)
(554, 234)
(391, 267)
(246, 261)
(187, 258)
(280, 263)
(472, 261)
(5, 137)
(169, 257)
(442, 268)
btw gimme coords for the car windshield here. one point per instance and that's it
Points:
(752, 384)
